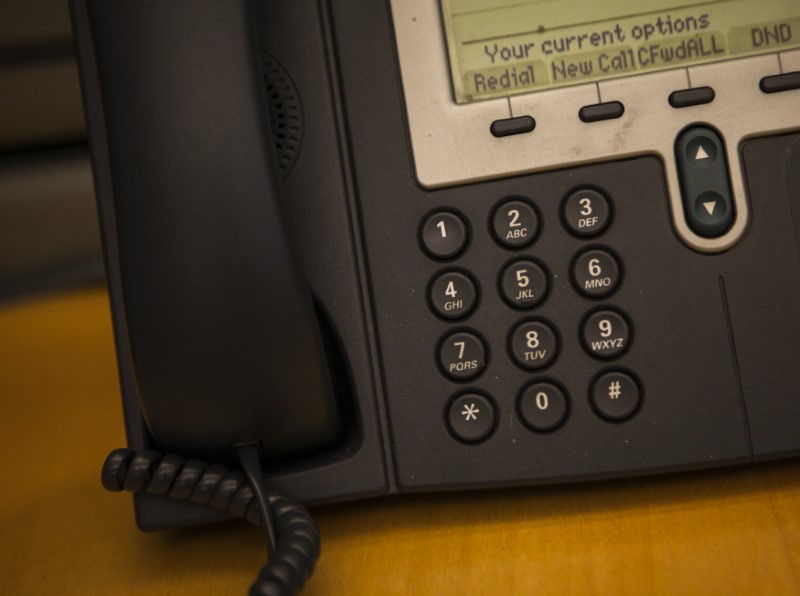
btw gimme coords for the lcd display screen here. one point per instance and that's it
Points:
(499, 48)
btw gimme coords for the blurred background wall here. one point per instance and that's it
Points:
(49, 235)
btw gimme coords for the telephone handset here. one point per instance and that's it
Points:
(219, 320)
(570, 274)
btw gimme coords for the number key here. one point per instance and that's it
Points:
(462, 356)
(596, 273)
(523, 284)
(452, 295)
(606, 334)
(586, 212)
(515, 224)
(542, 406)
(533, 344)
(444, 235)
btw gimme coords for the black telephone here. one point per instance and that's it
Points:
(313, 247)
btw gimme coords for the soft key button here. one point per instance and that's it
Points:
(705, 190)
(512, 126)
(782, 82)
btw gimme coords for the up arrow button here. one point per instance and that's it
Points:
(701, 153)
(703, 174)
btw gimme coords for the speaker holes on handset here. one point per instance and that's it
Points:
(285, 113)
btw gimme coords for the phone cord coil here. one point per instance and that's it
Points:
(296, 541)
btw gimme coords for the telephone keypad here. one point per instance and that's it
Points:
(453, 295)
(533, 344)
(596, 273)
(523, 284)
(515, 224)
(444, 235)
(462, 356)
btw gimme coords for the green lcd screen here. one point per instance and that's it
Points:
(499, 48)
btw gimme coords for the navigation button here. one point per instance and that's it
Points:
(711, 210)
(701, 153)
(703, 173)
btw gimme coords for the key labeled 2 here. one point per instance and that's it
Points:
(515, 224)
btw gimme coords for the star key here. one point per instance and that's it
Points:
(470, 417)
(470, 412)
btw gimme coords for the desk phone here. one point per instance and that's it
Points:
(418, 245)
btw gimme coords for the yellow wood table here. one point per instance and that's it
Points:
(732, 531)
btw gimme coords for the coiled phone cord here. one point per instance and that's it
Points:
(293, 541)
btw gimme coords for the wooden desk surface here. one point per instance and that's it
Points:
(733, 531)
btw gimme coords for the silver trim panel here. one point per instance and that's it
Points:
(452, 143)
